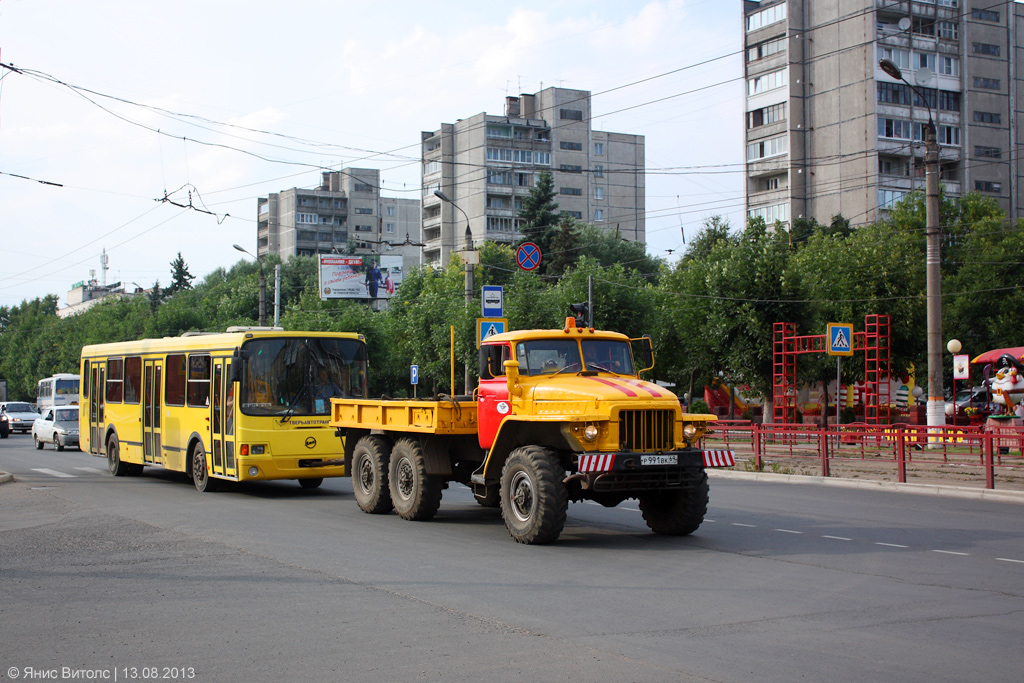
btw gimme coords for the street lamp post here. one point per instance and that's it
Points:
(469, 260)
(263, 286)
(933, 276)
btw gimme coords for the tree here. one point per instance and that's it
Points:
(181, 279)
(540, 215)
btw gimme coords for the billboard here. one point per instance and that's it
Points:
(359, 276)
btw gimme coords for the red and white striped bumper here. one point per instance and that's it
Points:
(605, 462)
(719, 458)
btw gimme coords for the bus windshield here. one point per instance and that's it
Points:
(298, 376)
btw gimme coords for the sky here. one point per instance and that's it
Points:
(214, 103)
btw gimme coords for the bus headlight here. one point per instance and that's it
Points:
(689, 431)
(258, 449)
(590, 432)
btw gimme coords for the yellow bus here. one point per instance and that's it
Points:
(251, 403)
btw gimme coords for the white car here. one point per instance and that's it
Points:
(20, 415)
(58, 426)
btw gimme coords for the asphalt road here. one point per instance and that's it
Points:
(271, 582)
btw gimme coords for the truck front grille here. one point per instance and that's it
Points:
(647, 430)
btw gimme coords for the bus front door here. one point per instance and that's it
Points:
(96, 390)
(222, 417)
(151, 442)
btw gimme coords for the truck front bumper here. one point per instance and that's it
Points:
(630, 472)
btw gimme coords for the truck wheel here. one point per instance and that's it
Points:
(370, 475)
(676, 513)
(200, 476)
(311, 483)
(416, 494)
(114, 464)
(533, 497)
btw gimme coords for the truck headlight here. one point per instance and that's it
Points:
(689, 431)
(590, 432)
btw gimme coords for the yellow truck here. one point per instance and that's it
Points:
(559, 415)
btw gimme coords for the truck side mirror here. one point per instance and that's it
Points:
(512, 377)
(648, 350)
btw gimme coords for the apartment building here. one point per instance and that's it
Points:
(346, 206)
(487, 164)
(829, 133)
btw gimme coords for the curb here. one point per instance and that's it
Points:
(1000, 496)
(4, 477)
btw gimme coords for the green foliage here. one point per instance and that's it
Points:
(540, 215)
(699, 406)
(711, 311)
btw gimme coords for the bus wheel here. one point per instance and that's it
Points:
(676, 513)
(370, 475)
(311, 483)
(533, 498)
(416, 494)
(200, 476)
(114, 464)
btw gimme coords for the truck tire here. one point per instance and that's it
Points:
(311, 483)
(533, 498)
(370, 460)
(678, 512)
(415, 494)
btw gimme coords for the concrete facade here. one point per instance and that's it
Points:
(829, 133)
(346, 206)
(487, 164)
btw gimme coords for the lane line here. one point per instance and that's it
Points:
(950, 552)
(789, 531)
(837, 538)
(53, 473)
(749, 526)
(1007, 559)
(892, 545)
(89, 469)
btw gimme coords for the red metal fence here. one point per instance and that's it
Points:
(955, 455)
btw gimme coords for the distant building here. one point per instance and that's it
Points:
(347, 206)
(487, 164)
(828, 132)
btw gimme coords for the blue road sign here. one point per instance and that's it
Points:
(414, 374)
(528, 256)
(488, 327)
(840, 339)
(493, 301)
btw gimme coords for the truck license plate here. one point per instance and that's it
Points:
(659, 459)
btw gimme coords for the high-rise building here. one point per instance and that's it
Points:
(347, 206)
(487, 164)
(829, 133)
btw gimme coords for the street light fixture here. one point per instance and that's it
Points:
(469, 261)
(933, 275)
(263, 286)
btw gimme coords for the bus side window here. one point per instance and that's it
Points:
(174, 381)
(115, 380)
(132, 379)
(85, 381)
(199, 380)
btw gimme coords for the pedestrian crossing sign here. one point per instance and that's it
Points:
(840, 339)
(488, 327)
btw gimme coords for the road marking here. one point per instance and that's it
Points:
(838, 538)
(789, 531)
(709, 520)
(749, 526)
(89, 469)
(950, 552)
(53, 473)
(892, 545)
(1006, 559)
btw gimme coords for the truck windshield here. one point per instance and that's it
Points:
(298, 376)
(608, 356)
(548, 356)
